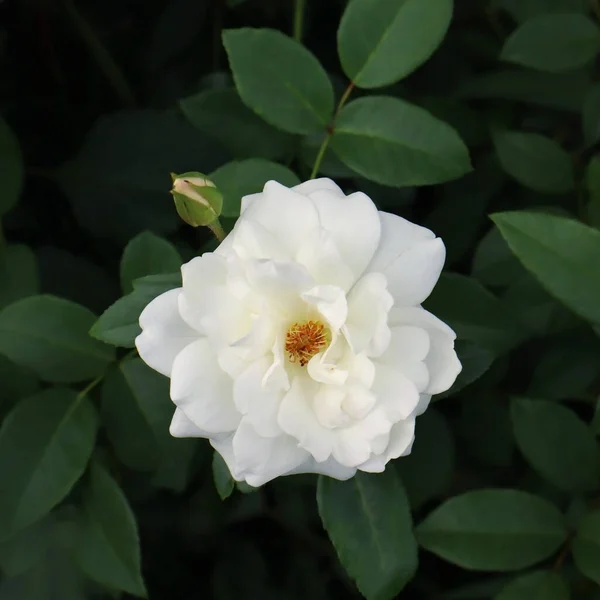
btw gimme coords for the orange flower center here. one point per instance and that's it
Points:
(304, 340)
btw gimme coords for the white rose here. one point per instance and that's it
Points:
(300, 344)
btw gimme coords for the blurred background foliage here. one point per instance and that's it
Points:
(100, 102)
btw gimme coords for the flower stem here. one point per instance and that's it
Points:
(217, 229)
(330, 130)
(100, 54)
(299, 9)
(86, 390)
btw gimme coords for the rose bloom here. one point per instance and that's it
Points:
(299, 345)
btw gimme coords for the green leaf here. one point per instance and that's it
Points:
(536, 310)
(108, 548)
(592, 180)
(224, 483)
(50, 336)
(137, 411)
(475, 360)
(18, 274)
(118, 325)
(119, 181)
(521, 10)
(557, 444)
(433, 453)
(493, 530)
(560, 91)
(45, 444)
(540, 585)
(279, 79)
(380, 42)
(480, 186)
(396, 143)
(566, 368)
(240, 178)
(368, 520)
(17, 383)
(561, 253)
(535, 161)
(591, 116)
(474, 313)
(147, 254)
(485, 430)
(76, 278)
(494, 264)
(553, 42)
(222, 115)
(11, 168)
(586, 546)
(26, 548)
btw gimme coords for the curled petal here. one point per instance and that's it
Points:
(202, 390)
(164, 333)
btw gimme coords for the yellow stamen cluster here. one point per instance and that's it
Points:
(304, 340)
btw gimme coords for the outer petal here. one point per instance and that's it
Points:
(329, 467)
(297, 418)
(401, 440)
(182, 427)
(368, 305)
(202, 390)
(323, 184)
(263, 459)
(259, 404)
(441, 361)
(289, 216)
(164, 333)
(397, 236)
(353, 223)
(397, 394)
(412, 276)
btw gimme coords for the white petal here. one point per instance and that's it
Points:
(419, 317)
(329, 467)
(408, 343)
(397, 236)
(297, 419)
(330, 301)
(413, 275)
(224, 446)
(424, 401)
(164, 333)
(369, 303)
(289, 216)
(396, 393)
(265, 458)
(443, 365)
(402, 437)
(202, 390)
(441, 361)
(318, 185)
(354, 225)
(358, 402)
(353, 445)
(250, 239)
(182, 427)
(319, 369)
(327, 405)
(259, 404)
(206, 302)
(400, 443)
(321, 257)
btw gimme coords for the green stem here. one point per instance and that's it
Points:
(299, 10)
(330, 130)
(100, 54)
(217, 229)
(86, 390)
